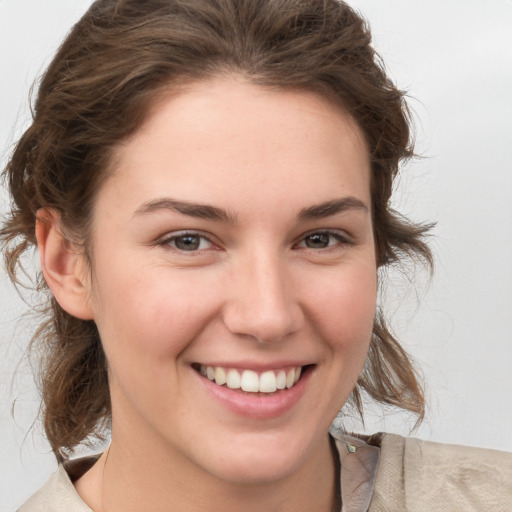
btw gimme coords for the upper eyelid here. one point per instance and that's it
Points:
(184, 232)
(171, 235)
(340, 233)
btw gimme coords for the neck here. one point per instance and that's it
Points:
(141, 478)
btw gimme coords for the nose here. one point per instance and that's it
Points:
(263, 300)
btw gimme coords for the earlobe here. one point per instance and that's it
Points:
(63, 266)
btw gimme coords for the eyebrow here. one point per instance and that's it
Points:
(201, 211)
(205, 211)
(329, 208)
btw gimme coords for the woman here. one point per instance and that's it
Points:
(208, 187)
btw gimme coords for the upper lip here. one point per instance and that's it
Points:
(256, 366)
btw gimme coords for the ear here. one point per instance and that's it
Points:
(63, 266)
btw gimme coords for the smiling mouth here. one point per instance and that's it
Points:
(250, 381)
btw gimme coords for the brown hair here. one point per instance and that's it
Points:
(98, 90)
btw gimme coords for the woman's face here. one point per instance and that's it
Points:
(234, 238)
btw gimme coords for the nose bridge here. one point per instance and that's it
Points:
(263, 302)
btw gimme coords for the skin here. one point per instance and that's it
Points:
(259, 292)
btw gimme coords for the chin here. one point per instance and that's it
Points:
(263, 470)
(258, 459)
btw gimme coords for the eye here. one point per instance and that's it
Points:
(323, 240)
(187, 242)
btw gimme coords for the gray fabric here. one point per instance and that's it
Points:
(359, 463)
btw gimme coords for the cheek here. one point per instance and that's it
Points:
(149, 314)
(146, 320)
(347, 312)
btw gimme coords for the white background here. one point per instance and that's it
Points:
(455, 59)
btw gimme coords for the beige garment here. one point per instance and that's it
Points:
(411, 475)
(421, 476)
(57, 495)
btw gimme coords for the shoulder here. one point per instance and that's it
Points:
(418, 475)
(58, 494)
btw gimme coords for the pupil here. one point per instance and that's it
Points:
(187, 243)
(317, 241)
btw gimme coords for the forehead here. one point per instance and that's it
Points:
(230, 134)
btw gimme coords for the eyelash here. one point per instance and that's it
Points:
(339, 239)
(168, 241)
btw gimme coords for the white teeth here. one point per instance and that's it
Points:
(250, 381)
(220, 376)
(290, 378)
(281, 380)
(233, 379)
(268, 382)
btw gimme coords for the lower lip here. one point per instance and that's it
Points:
(258, 405)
